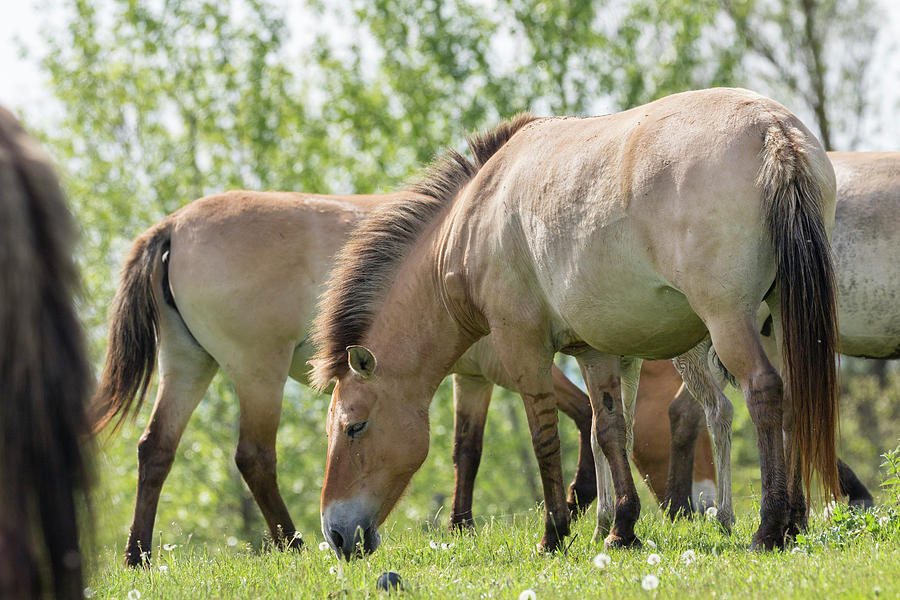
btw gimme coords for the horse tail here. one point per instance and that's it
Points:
(133, 333)
(795, 185)
(44, 374)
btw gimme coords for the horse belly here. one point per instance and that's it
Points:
(653, 323)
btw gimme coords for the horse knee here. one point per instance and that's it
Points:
(253, 461)
(764, 398)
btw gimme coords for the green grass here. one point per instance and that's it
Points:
(840, 560)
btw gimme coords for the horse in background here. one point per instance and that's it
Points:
(44, 377)
(206, 288)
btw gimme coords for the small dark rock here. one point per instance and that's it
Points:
(389, 582)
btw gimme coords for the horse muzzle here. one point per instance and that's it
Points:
(350, 529)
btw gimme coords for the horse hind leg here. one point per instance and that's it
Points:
(471, 398)
(853, 488)
(737, 344)
(260, 402)
(706, 388)
(685, 421)
(185, 372)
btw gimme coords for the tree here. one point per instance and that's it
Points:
(813, 51)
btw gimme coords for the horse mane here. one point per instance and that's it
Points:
(44, 377)
(365, 266)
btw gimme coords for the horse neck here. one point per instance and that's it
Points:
(414, 337)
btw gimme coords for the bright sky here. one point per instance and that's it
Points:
(21, 84)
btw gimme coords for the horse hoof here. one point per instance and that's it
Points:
(295, 543)
(137, 560)
(614, 541)
(766, 543)
(725, 521)
(462, 526)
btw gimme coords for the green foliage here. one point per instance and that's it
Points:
(891, 465)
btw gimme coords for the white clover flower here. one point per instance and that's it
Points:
(231, 541)
(163, 568)
(88, 592)
(688, 556)
(323, 546)
(528, 595)
(651, 544)
(798, 550)
(433, 545)
(650, 582)
(169, 547)
(332, 569)
(711, 512)
(447, 546)
(601, 561)
(653, 559)
(134, 595)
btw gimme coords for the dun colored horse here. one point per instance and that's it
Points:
(44, 377)
(635, 235)
(231, 281)
(865, 243)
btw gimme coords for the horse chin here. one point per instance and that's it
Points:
(351, 528)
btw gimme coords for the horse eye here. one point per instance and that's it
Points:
(355, 430)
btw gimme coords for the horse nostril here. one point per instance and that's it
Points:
(337, 539)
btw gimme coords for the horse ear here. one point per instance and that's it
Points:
(361, 361)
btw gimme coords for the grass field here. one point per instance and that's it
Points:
(846, 555)
(208, 542)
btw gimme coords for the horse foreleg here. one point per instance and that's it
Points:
(183, 380)
(471, 398)
(543, 422)
(577, 406)
(601, 374)
(255, 455)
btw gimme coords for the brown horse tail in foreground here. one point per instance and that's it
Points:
(133, 328)
(806, 284)
(44, 376)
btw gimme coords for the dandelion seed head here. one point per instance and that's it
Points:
(163, 568)
(653, 559)
(601, 561)
(88, 593)
(650, 544)
(688, 556)
(650, 582)
(711, 512)
(528, 595)
(134, 595)
(433, 545)
(798, 550)
(323, 546)
(231, 541)
(169, 547)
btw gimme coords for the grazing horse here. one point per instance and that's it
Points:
(44, 377)
(635, 234)
(205, 288)
(865, 243)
